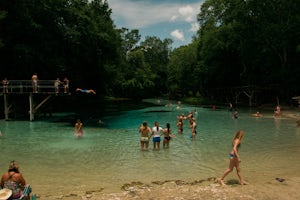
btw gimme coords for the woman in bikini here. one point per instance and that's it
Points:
(234, 158)
(167, 135)
(145, 133)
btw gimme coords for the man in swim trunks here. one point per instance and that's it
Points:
(145, 133)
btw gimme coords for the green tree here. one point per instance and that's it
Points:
(157, 53)
(74, 38)
(2, 16)
(140, 77)
(184, 73)
(252, 42)
(130, 39)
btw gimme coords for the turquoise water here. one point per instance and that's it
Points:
(109, 155)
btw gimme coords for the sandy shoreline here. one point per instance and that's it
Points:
(202, 189)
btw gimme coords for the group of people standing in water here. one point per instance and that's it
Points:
(192, 123)
(156, 132)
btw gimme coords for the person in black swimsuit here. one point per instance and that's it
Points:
(167, 135)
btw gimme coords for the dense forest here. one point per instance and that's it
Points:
(239, 43)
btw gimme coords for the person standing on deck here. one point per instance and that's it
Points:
(56, 85)
(66, 85)
(34, 79)
(5, 84)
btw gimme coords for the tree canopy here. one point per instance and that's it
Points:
(239, 42)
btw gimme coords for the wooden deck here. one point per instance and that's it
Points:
(26, 87)
(49, 88)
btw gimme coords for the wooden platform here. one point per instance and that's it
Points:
(48, 88)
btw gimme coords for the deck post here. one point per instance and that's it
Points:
(5, 107)
(31, 111)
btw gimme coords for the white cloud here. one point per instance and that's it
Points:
(173, 18)
(135, 15)
(194, 27)
(178, 35)
(188, 13)
(160, 18)
(140, 14)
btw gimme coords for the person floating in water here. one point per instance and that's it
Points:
(257, 114)
(235, 114)
(85, 91)
(78, 132)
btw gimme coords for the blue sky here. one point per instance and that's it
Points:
(175, 19)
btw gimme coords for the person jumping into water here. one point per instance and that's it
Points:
(85, 91)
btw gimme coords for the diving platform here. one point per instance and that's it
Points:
(46, 89)
(297, 99)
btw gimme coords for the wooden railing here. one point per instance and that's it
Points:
(27, 86)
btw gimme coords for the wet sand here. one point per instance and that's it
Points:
(202, 189)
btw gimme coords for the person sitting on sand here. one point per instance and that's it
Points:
(234, 158)
(85, 91)
(14, 181)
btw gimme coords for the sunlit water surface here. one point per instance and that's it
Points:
(108, 156)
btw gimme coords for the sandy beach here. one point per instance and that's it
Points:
(202, 189)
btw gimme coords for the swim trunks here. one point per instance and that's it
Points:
(144, 139)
